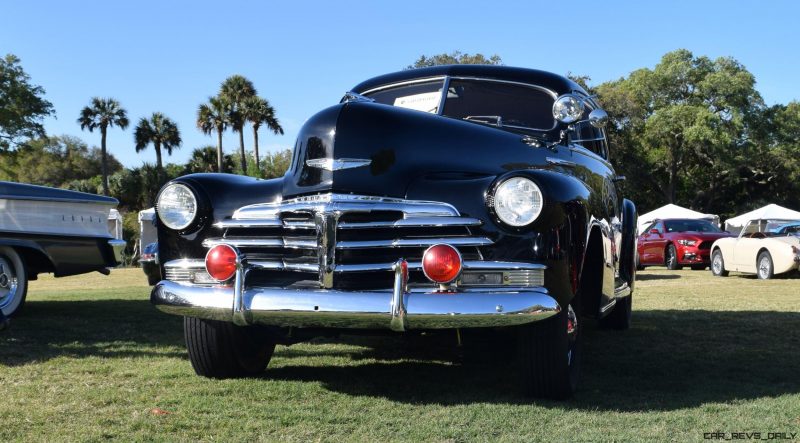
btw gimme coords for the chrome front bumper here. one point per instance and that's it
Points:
(398, 309)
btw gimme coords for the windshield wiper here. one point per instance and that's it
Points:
(498, 120)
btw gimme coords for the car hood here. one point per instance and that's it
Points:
(374, 149)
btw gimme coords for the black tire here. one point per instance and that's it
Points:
(718, 264)
(549, 358)
(13, 282)
(698, 267)
(620, 317)
(223, 350)
(639, 266)
(765, 268)
(671, 258)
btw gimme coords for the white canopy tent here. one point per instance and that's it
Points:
(115, 224)
(147, 230)
(673, 211)
(773, 211)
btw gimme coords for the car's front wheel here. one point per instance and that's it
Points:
(13, 281)
(718, 264)
(549, 356)
(220, 349)
(765, 268)
(671, 258)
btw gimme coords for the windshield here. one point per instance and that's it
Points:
(690, 225)
(500, 104)
(772, 227)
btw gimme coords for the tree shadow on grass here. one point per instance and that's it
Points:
(668, 360)
(103, 328)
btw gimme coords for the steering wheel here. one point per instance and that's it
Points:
(758, 235)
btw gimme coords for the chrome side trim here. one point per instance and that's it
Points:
(560, 162)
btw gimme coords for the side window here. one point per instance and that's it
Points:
(660, 227)
(591, 138)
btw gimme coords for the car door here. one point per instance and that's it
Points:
(653, 244)
(745, 252)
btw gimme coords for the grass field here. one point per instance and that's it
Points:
(90, 359)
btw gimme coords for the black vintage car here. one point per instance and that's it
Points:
(460, 198)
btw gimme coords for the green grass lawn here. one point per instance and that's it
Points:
(90, 359)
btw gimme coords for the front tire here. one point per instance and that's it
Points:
(223, 350)
(549, 356)
(766, 269)
(13, 281)
(718, 264)
(671, 258)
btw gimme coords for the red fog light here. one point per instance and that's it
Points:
(441, 263)
(221, 262)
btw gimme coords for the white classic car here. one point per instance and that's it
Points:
(47, 230)
(765, 247)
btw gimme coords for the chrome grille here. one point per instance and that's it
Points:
(334, 237)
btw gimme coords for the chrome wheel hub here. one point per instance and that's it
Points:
(8, 282)
(717, 264)
(763, 268)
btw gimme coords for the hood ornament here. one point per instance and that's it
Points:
(330, 164)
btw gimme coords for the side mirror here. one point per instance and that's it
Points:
(598, 118)
(654, 231)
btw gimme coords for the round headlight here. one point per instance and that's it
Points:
(518, 201)
(568, 108)
(177, 206)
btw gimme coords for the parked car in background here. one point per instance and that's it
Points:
(148, 260)
(441, 199)
(764, 247)
(678, 242)
(48, 230)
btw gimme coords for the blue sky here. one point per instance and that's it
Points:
(169, 56)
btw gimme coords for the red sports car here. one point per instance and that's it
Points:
(676, 242)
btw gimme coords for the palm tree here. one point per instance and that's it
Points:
(161, 132)
(236, 89)
(103, 113)
(258, 111)
(213, 116)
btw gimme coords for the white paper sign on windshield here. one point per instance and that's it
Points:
(426, 102)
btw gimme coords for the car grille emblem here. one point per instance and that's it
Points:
(330, 164)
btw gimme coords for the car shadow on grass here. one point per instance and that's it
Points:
(643, 276)
(669, 360)
(103, 328)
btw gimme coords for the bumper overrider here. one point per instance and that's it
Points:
(399, 308)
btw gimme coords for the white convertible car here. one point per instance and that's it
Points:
(764, 248)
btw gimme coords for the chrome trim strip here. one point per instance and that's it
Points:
(414, 222)
(186, 263)
(560, 162)
(469, 265)
(414, 243)
(404, 83)
(283, 265)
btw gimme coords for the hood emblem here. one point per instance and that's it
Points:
(330, 164)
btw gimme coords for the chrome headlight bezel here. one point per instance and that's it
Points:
(169, 208)
(501, 206)
(568, 108)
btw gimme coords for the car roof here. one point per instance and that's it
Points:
(554, 82)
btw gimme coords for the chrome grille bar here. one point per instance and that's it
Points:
(263, 242)
(413, 242)
(414, 222)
